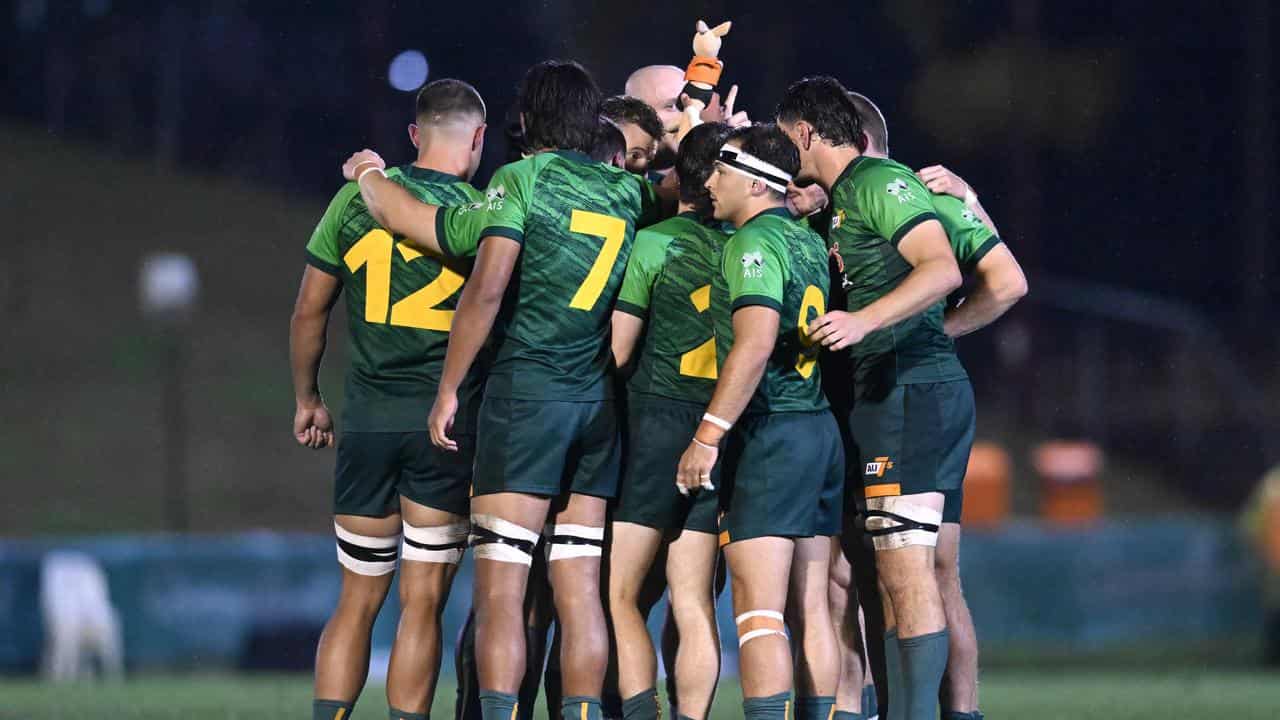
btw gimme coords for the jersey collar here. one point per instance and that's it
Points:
(848, 170)
(573, 155)
(778, 211)
(429, 175)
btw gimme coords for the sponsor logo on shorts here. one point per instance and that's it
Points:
(879, 467)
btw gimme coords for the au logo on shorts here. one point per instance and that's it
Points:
(879, 467)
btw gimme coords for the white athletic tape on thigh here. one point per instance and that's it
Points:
(365, 555)
(895, 522)
(753, 629)
(496, 539)
(566, 541)
(436, 543)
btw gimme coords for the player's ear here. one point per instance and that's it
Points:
(477, 139)
(413, 134)
(523, 130)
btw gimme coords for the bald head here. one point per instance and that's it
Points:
(873, 125)
(659, 87)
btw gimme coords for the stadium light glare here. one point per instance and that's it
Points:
(408, 71)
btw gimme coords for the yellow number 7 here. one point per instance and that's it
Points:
(613, 230)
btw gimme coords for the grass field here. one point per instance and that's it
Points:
(1042, 695)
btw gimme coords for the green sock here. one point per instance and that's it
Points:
(953, 715)
(331, 709)
(924, 660)
(814, 708)
(394, 714)
(846, 715)
(773, 707)
(579, 707)
(869, 706)
(496, 705)
(893, 677)
(642, 706)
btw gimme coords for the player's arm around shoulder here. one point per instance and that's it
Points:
(392, 206)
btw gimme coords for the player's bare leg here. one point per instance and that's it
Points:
(575, 542)
(505, 530)
(426, 574)
(846, 619)
(632, 550)
(691, 577)
(809, 615)
(367, 551)
(960, 683)
(912, 602)
(760, 569)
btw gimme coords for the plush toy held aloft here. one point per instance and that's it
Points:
(704, 70)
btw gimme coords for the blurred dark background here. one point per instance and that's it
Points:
(1126, 153)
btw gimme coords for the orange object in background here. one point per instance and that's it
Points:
(1070, 489)
(987, 486)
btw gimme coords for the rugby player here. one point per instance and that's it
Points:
(912, 420)
(665, 299)
(553, 236)
(391, 483)
(640, 126)
(783, 474)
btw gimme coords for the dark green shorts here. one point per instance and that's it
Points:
(783, 477)
(548, 448)
(376, 468)
(914, 439)
(658, 432)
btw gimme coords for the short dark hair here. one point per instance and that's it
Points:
(609, 141)
(627, 109)
(560, 103)
(872, 120)
(824, 103)
(695, 161)
(445, 99)
(767, 142)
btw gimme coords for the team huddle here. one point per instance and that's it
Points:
(604, 374)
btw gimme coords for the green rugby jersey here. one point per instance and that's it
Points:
(575, 219)
(668, 284)
(779, 263)
(970, 238)
(876, 203)
(400, 305)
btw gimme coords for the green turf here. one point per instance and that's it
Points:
(1069, 695)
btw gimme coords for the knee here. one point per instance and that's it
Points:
(420, 604)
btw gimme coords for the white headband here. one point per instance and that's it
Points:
(744, 162)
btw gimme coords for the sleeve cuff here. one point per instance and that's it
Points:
(749, 300)
(506, 232)
(324, 267)
(631, 309)
(910, 225)
(442, 237)
(980, 253)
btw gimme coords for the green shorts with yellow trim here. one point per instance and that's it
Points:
(546, 447)
(658, 432)
(375, 469)
(914, 439)
(783, 477)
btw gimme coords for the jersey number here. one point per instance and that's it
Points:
(701, 361)
(613, 230)
(417, 310)
(812, 300)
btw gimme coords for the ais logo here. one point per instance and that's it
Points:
(879, 467)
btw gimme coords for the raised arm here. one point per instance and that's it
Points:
(393, 207)
(934, 273)
(1000, 284)
(312, 424)
(472, 322)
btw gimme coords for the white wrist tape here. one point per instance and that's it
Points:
(970, 197)
(701, 444)
(721, 423)
(368, 170)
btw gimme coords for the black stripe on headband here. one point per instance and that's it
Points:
(730, 158)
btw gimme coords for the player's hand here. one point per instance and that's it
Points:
(839, 329)
(312, 425)
(738, 119)
(358, 162)
(805, 201)
(942, 181)
(694, 471)
(440, 422)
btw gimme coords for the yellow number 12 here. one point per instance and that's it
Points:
(417, 310)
